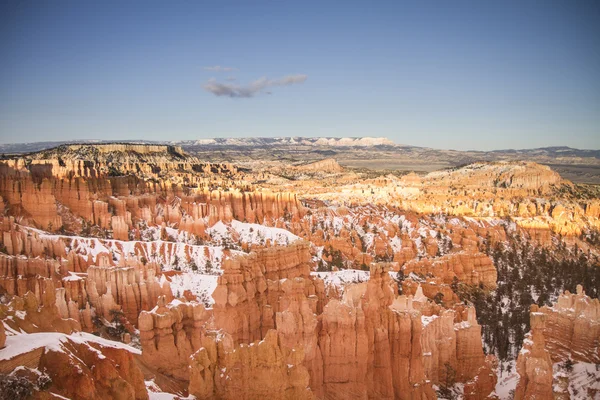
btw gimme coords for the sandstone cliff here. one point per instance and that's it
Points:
(274, 320)
(570, 330)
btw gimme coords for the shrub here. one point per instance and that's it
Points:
(15, 387)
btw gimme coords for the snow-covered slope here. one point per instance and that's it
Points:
(253, 234)
(578, 382)
(279, 141)
(22, 343)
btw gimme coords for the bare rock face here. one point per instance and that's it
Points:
(19, 274)
(258, 370)
(328, 165)
(113, 185)
(35, 200)
(568, 330)
(115, 376)
(277, 335)
(534, 364)
(485, 381)
(525, 175)
(79, 367)
(130, 289)
(469, 352)
(451, 339)
(253, 289)
(472, 268)
(38, 313)
(2, 336)
(170, 333)
(573, 328)
(269, 341)
(344, 347)
(119, 227)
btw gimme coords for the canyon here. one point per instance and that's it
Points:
(146, 271)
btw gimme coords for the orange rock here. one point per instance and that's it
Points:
(534, 364)
(93, 372)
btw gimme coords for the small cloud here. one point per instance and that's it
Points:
(218, 68)
(253, 88)
(231, 79)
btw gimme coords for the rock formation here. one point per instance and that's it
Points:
(328, 165)
(570, 330)
(78, 366)
(93, 238)
(573, 328)
(274, 320)
(470, 268)
(534, 364)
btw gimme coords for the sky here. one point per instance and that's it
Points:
(444, 74)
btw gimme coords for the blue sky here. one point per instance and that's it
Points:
(463, 75)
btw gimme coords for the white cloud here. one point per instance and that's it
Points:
(253, 88)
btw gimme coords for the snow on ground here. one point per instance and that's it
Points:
(26, 342)
(166, 396)
(74, 276)
(396, 244)
(427, 320)
(368, 239)
(456, 392)
(168, 253)
(582, 377)
(155, 393)
(244, 232)
(508, 381)
(58, 396)
(201, 285)
(342, 278)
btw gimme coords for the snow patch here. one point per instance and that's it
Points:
(24, 343)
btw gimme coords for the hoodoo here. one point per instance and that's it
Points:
(140, 270)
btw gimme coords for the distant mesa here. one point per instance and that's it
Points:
(115, 154)
(354, 142)
(118, 159)
(503, 174)
(327, 165)
(85, 151)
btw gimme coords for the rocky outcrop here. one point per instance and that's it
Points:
(572, 329)
(42, 311)
(93, 371)
(534, 364)
(30, 199)
(471, 268)
(20, 274)
(128, 289)
(170, 334)
(451, 341)
(328, 165)
(568, 330)
(253, 289)
(77, 366)
(508, 175)
(258, 370)
(369, 345)
(115, 187)
(531, 194)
